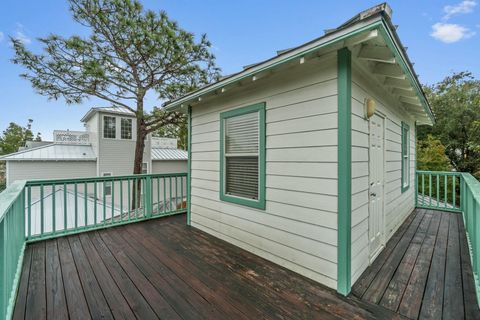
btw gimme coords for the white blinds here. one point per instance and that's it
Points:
(241, 155)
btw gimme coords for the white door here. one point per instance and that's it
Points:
(376, 225)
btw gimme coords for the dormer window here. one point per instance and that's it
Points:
(109, 127)
(126, 129)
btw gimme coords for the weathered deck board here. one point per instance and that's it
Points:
(425, 271)
(164, 269)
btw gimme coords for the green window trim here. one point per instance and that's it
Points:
(260, 203)
(405, 156)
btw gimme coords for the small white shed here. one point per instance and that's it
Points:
(308, 158)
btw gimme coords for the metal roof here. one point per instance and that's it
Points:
(54, 152)
(169, 154)
(114, 110)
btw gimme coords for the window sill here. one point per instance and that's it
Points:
(257, 204)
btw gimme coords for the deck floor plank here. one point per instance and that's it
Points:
(20, 306)
(432, 277)
(412, 297)
(115, 299)
(453, 291)
(362, 284)
(36, 307)
(379, 284)
(232, 273)
(165, 269)
(291, 287)
(177, 301)
(396, 288)
(97, 303)
(209, 289)
(432, 303)
(76, 301)
(56, 300)
(468, 283)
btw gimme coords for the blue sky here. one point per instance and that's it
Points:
(441, 36)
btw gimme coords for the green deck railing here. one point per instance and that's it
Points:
(470, 195)
(42, 209)
(12, 244)
(455, 192)
(438, 190)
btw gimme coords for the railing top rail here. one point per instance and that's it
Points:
(473, 184)
(40, 182)
(9, 195)
(441, 173)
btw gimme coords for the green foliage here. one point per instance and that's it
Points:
(177, 130)
(431, 155)
(130, 52)
(15, 136)
(456, 104)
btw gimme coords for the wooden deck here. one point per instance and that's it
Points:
(424, 272)
(164, 269)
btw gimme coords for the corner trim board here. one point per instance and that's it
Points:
(344, 83)
(189, 161)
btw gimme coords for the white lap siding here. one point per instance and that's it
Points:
(298, 228)
(397, 204)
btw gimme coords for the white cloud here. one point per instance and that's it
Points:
(450, 33)
(20, 34)
(463, 7)
(1, 36)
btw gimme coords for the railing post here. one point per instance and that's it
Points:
(416, 189)
(148, 196)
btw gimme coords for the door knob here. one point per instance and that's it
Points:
(373, 194)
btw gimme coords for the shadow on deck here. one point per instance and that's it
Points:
(164, 269)
(424, 272)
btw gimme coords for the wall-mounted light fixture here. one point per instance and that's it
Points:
(369, 108)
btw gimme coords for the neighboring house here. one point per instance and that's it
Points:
(107, 147)
(308, 158)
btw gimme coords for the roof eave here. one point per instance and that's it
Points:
(379, 20)
(327, 40)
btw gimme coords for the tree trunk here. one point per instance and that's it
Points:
(137, 165)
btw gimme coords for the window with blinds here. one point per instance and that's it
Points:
(243, 155)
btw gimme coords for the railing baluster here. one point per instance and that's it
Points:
(170, 193)
(164, 195)
(104, 202)
(129, 205)
(112, 183)
(65, 207)
(41, 209)
(54, 225)
(85, 203)
(121, 200)
(181, 193)
(75, 192)
(438, 190)
(430, 189)
(176, 193)
(95, 203)
(454, 193)
(29, 200)
(423, 189)
(445, 187)
(158, 195)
